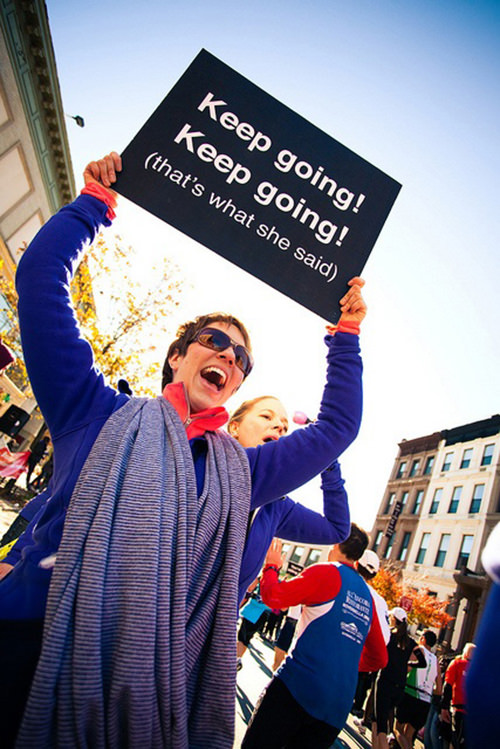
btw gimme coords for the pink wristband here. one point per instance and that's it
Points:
(100, 192)
(348, 327)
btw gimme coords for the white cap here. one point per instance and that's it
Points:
(370, 561)
(398, 613)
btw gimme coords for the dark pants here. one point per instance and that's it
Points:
(458, 730)
(365, 681)
(387, 698)
(280, 722)
(248, 629)
(20, 644)
(270, 627)
(432, 737)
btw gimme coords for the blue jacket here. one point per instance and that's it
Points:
(76, 401)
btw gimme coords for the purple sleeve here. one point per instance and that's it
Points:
(59, 360)
(280, 467)
(299, 523)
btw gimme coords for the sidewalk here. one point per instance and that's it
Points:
(255, 675)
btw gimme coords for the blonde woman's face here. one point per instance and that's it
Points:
(264, 422)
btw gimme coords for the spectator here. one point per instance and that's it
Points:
(142, 606)
(258, 422)
(43, 478)
(38, 452)
(453, 705)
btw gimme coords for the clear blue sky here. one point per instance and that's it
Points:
(410, 86)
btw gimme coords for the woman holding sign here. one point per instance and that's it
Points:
(139, 623)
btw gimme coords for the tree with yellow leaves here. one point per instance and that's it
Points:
(9, 332)
(125, 319)
(124, 316)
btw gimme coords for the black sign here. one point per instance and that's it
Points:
(394, 518)
(236, 170)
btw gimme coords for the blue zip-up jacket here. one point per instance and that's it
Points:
(76, 401)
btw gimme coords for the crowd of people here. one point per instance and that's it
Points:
(119, 602)
(394, 685)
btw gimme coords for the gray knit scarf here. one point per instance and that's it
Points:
(139, 644)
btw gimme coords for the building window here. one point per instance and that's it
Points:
(390, 502)
(404, 546)
(465, 550)
(447, 462)
(424, 543)
(285, 548)
(443, 548)
(297, 554)
(414, 467)
(428, 465)
(455, 499)
(404, 500)
(389, 546)
(476, 498)
(401, 469)
(378, 539)
(418, 501)
(487, 455)
(313, 557)
(435, 501)
(466, 458)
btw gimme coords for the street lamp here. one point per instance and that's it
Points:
(79, 120)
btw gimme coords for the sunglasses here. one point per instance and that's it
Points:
(217, 340)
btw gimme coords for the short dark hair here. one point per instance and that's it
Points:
(354, 546)
(186, 334)
(429, 637)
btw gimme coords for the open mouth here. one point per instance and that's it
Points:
(214, 376)
(270, 439)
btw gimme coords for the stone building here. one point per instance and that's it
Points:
(36, 175)
(441, 503)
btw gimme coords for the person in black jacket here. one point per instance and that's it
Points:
(38, 452)
(391, 681)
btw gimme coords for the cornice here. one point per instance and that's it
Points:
(27, 36)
